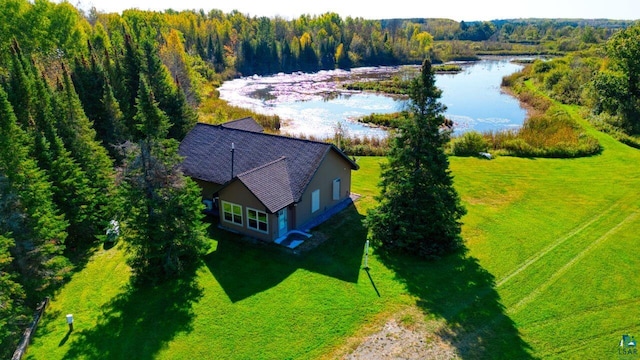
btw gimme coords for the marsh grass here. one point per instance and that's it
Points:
(213, 110)
(550, 130)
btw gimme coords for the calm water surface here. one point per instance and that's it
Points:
(313, 104)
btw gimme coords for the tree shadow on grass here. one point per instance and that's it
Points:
(243, 269)
(457, 289)
(139, 322)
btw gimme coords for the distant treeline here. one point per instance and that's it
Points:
(235, 43)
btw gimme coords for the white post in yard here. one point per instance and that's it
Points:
(70, 321)
(366, 255)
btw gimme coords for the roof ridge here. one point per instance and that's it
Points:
(274, 135)
(284, 137)
(262, 166)
(236, 120)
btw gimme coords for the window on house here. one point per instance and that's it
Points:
(257, 220)
(232, 213)
(315, 200)
(336, 189)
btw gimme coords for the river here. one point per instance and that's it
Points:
(314, 103)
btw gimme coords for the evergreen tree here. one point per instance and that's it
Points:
(419, 210)
(200, 49)
(89, 79)
(12, 311)
(27, 210)
(96, 94)
(129, 69)
(215, 53)
(72, 192)
(186, 117)
(161, 207)
(20, 87)
(79, 137)
(114, 97)
(170, 97)
(112, 123)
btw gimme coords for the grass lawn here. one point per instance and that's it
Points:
(550, 271)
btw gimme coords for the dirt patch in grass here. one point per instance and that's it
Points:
(406, 336)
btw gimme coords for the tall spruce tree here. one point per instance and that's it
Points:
(72, 192)
(128, 69)
(419, 210)
(96, 94)
(112, 124)
(28, 211)
(116, 82)
(170, 97)
(79, 137)
(20, 87)
(160, 207)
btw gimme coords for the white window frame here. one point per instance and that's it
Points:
(258, 221)
(336, 188)
(315, 200)
(232, 213)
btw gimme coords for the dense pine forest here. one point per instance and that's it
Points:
(81, 92)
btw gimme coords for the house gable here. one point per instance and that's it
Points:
(270, 184)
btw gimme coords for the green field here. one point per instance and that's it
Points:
(550, 271)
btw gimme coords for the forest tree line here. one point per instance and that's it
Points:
(87, 97)
(235, 43)
(89, 128)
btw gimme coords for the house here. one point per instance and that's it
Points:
(265, 185)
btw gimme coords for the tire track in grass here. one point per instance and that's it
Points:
(573, 316)
(482, 294)
(585, 347)
(544, 286)
(530, 261)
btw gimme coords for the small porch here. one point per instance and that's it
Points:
(293, 239)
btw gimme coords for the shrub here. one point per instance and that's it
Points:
(611, 125)
(510, 80)
(519, 147)
(536, 101)
(497, 139)
(470, 144)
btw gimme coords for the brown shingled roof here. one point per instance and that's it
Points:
(270, 184)
(265, 163)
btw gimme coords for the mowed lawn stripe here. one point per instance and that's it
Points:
(542, 287)
(585, 311)
(558, 242)
(539, 272)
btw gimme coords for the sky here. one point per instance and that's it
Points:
(467, 10)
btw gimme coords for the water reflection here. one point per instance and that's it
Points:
(312, 104)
